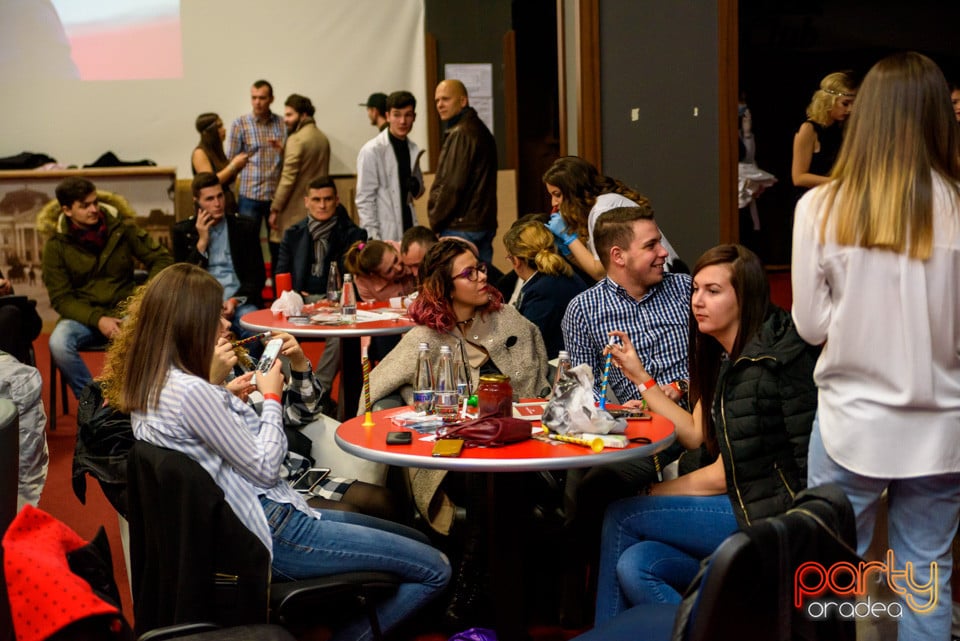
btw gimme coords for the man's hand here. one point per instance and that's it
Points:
(224, 359)
(272, 220)
(109, 326)
(5, 287)
(204, 223)
(229, 307)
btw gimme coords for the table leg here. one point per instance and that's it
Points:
(351, 377)
(507, 513)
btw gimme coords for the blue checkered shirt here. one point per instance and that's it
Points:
(657, 325)
(261, 175)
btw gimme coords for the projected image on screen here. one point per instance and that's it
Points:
(123, 40)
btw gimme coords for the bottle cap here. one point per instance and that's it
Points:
(444, 349)
(348, 277)
(423, 346)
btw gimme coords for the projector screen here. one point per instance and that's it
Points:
(85, 77)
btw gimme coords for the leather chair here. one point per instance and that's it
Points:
(745, 588)
(193, 561)
(9, 484)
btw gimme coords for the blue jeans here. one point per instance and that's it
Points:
(238, 313)
(65, 341)
(305, 547)
(482, 239)
(253, 209)
(651, 548)
(922, 514)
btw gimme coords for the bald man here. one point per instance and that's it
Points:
(463, 198)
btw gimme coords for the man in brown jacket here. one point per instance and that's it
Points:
(306, 156)
(463, 198)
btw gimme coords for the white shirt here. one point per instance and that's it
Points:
(606, 202)
(889, 374)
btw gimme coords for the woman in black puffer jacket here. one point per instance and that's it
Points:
(756, 374)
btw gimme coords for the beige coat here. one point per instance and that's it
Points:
(306, 156)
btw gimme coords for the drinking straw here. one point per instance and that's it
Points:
(250, 339)
(606, 375)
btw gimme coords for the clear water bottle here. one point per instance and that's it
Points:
(445, 391)
(563, 364)
(423, 384)
(348, 301)
(334, 285)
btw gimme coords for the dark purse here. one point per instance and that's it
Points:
(490, 431)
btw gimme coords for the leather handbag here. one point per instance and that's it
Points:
(490, 431)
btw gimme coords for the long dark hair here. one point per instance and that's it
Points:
(580, 183)
(210, 142)
(749, 281)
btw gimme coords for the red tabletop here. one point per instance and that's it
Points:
(370, 443)
(263, 320)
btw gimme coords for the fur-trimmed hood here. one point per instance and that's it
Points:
(50, 219)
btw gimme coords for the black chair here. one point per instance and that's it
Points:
(9, 485)
(193, 561)
(745, 589)
(54, 370)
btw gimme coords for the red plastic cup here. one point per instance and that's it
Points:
(283, 282)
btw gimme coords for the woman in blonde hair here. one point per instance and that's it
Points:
(817, 142)
(378, 271)
(548, 281)
(876, 278)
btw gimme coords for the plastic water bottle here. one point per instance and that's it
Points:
(445, 391)
(563, 364)
(423, 387)
(348, 301)
(333, 283)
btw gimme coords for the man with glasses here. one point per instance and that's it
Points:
(388, 173)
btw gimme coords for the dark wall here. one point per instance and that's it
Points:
(787, 46)
(471, 31)
(660, 56)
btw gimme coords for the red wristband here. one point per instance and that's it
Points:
(645, 386)
(271, 397)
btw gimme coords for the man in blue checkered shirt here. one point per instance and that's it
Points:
(638, 297)
(653, 307)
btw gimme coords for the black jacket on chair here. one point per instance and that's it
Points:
(191, 557)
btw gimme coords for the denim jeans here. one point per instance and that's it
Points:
(238, 313)
(65, 341)
(922, 514)
(482, 239)
(254, 209)
(651, 548)
(305, 547)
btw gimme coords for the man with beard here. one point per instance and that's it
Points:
(306, 155)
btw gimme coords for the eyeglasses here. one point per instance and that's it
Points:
(472, 273)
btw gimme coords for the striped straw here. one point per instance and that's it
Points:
(606, 375)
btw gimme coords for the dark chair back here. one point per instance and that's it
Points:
(9, 484)
(191, 558)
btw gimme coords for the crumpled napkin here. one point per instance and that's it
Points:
(572, 409)
(289, 304)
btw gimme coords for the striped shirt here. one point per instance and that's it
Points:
(657, 325)
(261, 175)
(241, 451)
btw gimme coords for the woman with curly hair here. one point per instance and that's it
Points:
(209, 156)
(580, 194)
(159, 369)
(548, 280)
(817, 142)
(378, 271)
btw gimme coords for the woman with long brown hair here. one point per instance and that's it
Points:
(209, 156)
(159, 369)
(751, 386)
(876, 279)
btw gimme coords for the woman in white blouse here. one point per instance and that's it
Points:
(159, 369)
(876, 277)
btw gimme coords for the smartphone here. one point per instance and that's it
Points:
(630, 414)
(310, 478)
(448, 447)
(399, 438)
(270, 353)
